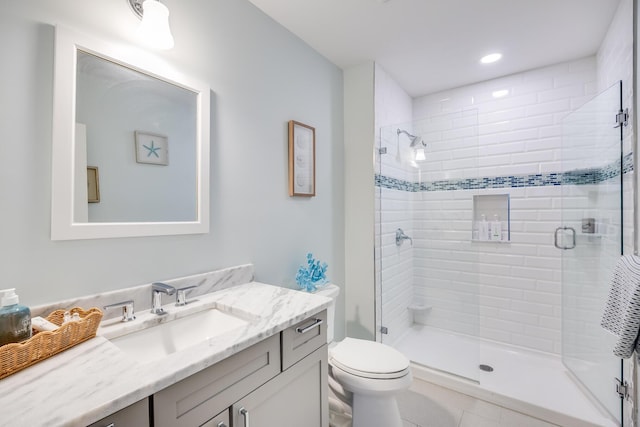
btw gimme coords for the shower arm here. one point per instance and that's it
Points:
(399, 131)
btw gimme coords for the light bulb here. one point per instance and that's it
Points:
(500, 93)
(154, 29)
(493, 57)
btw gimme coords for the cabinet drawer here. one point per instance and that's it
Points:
(134, 415)
(304, 338)
(220, 420)
(196, 399)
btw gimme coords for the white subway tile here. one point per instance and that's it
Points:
(567, 91)
(553, 323)
(558, 106)
(533, 157)
(515, 287)
(526, 340)
(527, 319)
(503, 325)
(532, 308)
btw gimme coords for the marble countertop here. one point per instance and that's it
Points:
(94, 379)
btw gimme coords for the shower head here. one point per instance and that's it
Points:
(416, 141)
(416, 144)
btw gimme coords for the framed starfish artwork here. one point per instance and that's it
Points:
(152, 148)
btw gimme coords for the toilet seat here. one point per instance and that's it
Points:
(368, 359)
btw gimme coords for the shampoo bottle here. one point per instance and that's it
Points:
(496, 229)
(15, 319)
(483, 228)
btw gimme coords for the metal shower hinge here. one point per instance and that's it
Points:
(384, 330)
(622, 118)
(622, 388)
(382, 150)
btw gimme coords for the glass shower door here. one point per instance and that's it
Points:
(428, 286)
(591, 241)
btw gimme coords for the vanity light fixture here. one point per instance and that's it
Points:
(492, 57)
(154, 30)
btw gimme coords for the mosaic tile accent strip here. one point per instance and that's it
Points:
(396, 184)
(627, 163)
(576, 177)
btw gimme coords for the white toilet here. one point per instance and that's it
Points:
(365, 377)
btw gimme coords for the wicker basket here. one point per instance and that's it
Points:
(15, 357)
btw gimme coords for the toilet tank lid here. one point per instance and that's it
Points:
(368, 356)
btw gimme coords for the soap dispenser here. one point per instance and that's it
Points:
(15, 319)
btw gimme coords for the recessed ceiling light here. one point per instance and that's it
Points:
(500, 93)
(493, 57)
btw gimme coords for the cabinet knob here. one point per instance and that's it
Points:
(221, 424)
(245, 414)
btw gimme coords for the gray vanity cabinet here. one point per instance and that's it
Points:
(281, 381)
(134, 415)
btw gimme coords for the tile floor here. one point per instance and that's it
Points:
(429, 405)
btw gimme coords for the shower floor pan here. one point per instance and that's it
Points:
(533, 383)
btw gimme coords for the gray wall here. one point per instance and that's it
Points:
(260, 76)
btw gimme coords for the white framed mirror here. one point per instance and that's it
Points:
(130, 143)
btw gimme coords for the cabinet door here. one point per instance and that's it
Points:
(295, 398)
(134, 415)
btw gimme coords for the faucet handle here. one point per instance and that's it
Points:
(181, 295)
(127, 310)
(401, 237)
(163, 287)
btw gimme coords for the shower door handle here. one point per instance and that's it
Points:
(573, 238)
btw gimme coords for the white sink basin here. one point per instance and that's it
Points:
(159, 341)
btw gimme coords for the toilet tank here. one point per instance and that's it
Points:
(330, 291)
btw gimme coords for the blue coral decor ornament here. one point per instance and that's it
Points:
(313, 275)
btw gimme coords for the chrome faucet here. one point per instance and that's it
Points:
(127, 310)
(401, 237)
(157, 289)
(181, 295)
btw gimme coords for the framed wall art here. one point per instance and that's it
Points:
(302, 159)
(152, 148)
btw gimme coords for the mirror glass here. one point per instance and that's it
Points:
(140, 135)
(130, 146)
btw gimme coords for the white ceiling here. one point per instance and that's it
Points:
(430, 45)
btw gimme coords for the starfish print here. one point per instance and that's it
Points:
(152, 150)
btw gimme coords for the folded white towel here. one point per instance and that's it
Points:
(622, 311)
